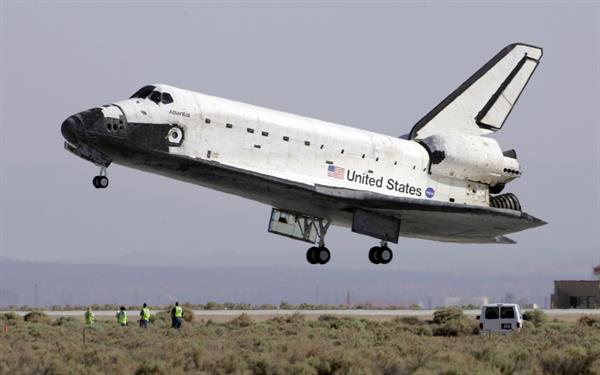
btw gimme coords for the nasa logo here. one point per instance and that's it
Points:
(429, 192)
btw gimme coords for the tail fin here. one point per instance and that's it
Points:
(483, 102)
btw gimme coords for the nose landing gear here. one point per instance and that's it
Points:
(381, 254)
(101, 181)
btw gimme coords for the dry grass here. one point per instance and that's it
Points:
(294, 345)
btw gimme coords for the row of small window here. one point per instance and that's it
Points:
(512, 171)
(287, 139)
(263, 133)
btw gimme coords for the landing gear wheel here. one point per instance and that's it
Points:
(380, 255)
(100, 182)
(323, 255)
(311, 255)
(373, 255)
(385, 255)
(103, 182)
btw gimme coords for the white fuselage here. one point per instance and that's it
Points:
(298, 148)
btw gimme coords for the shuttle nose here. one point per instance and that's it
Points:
(71, 129)
(77, 128)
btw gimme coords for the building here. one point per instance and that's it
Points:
(466, 301)
(597, 272)
(576, 294)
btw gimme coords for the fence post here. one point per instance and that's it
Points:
(84, 335)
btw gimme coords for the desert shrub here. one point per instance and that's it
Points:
(413, 325)
(265, 306)
(451, 321)
(241, 321)
(161, 317)
(508, 359)
(285, 319)
(237, 306)
(446, 314)
(422, 330)
(589, 321)
(410, 320)
(10, 316)
(573, 359)
(335, 322)
(210, 305)
(536, 317)
(65, 320)
(554, 328)
(188, 314)
(328, 318)
(37, 317)
(151, 368)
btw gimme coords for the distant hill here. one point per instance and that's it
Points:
(64, 283)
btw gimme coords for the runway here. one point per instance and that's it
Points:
(261, 315)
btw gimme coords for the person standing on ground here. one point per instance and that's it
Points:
(176, 316)
(89, 316)
(144, 316)
(122, 316)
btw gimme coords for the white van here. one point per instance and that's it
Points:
(500, 318)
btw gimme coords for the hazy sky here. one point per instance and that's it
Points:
(378, 66)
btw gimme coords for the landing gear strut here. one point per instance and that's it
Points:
(101, 181)
(381, 254)
(319, 254)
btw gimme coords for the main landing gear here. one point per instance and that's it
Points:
(381, 254)
(319, 254)
(101, 181)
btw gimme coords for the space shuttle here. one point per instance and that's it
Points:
(444, 181)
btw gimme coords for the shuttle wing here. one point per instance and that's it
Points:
(440, 221)
(483, 102)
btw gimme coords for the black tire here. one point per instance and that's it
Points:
(322, 255)
(95, 182)
(373, 255)
(311, 255)
(103, 182)
(385, 255)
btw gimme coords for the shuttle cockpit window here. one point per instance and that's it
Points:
(166, 98)
(143, 92)
(150, 92)
(155, 97)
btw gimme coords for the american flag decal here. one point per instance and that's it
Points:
(335, 172)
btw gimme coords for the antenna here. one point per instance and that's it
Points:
(35, 295)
